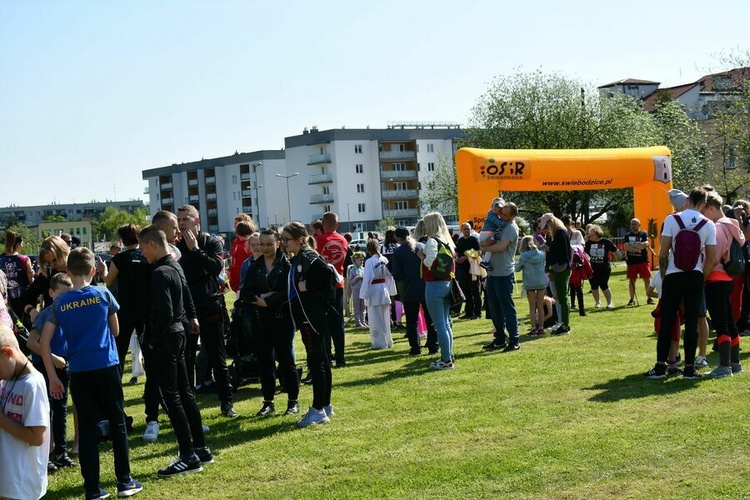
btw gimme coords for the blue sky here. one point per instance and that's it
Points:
(94, 92)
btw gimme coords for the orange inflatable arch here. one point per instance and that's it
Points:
(484, 173)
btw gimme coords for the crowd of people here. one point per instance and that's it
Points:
(164, 300)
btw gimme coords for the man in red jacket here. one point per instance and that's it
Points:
(333, 247)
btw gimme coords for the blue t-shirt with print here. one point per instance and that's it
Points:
(83, 316)
(57, 344)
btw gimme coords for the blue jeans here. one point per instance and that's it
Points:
(436, 296)
(502, 307)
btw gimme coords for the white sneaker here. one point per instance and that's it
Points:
(152, 431)
(206, 429)
(610, 306)
(700, 362)
(598, 304)
(314, 416)
(441, 365)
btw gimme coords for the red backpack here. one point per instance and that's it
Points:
(687, 246)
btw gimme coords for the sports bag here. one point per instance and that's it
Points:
(735, 264)
(442, 267)
(687, 245)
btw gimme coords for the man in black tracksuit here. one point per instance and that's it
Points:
(166, 339)
(202, 263)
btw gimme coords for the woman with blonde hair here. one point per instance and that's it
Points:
(559, 255)
(437, 289)
(377, 287)
(53, 259)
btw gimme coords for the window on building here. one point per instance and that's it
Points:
(358, 148)
(431, 167)
(326, 208)
(361, 207)
(399, 167)
(326, 190)
(399, 186)
(430, 148)
(402, 205)
(360, 188)
(359, 168)
(234, 179)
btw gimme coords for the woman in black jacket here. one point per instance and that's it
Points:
(559, 255)
(265, 289)
(310, 292)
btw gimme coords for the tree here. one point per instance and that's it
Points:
(439, 194)
(548, 111)
(55, 218)
(31, 241)
(384, 224)
(111, 219)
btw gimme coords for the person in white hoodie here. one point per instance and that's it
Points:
(532, 264)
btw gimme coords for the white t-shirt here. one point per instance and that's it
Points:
(656, 282)
(23, 471)
(690, 218)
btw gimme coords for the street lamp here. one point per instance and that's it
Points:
(288, 200)
(257, 200)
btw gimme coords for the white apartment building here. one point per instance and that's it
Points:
(221, 188)
(365, 175)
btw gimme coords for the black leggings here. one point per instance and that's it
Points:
(319, 365)
(718, 302)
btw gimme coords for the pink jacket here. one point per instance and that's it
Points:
(726, 229)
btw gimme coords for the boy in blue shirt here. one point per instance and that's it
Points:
(59, 284)
(88, 318)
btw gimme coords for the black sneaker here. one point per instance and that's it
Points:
(51, 467)
(513, 346)
(631, 302)
(268, 408)
(227, 409)
(292, 408)
(657, 372)
(673, 369)
(179, 467)
(415, 352)
(64, 460)
(307, 380)
(650, 301)
(690, 374)
(495, 345)
(204, 455)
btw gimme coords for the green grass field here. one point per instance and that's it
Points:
(562, 418)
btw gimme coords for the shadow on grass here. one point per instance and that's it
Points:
(637, 386)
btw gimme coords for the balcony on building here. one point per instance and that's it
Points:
(211, 196)
(165, 201)
(320, 179)
(245, 177)
(247, 193)
(406, 212)
(321, 198)
(210, 180)
(193, 182)
(166, 185)
(247, 209)
(145, 191)
(398, 194)
(194, 198)
(213, 212)
(397, 174)
(398, 155)
(316, 159)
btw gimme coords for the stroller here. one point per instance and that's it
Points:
(241, 347)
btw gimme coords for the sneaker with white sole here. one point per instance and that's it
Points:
(128, 488)
(329, 410)
(737, 368)
(700, 362)
(152, 431)
(314, 416)
(720, 372)
(179, 467)
(598, 304)
(610, 306)
(441, 365)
